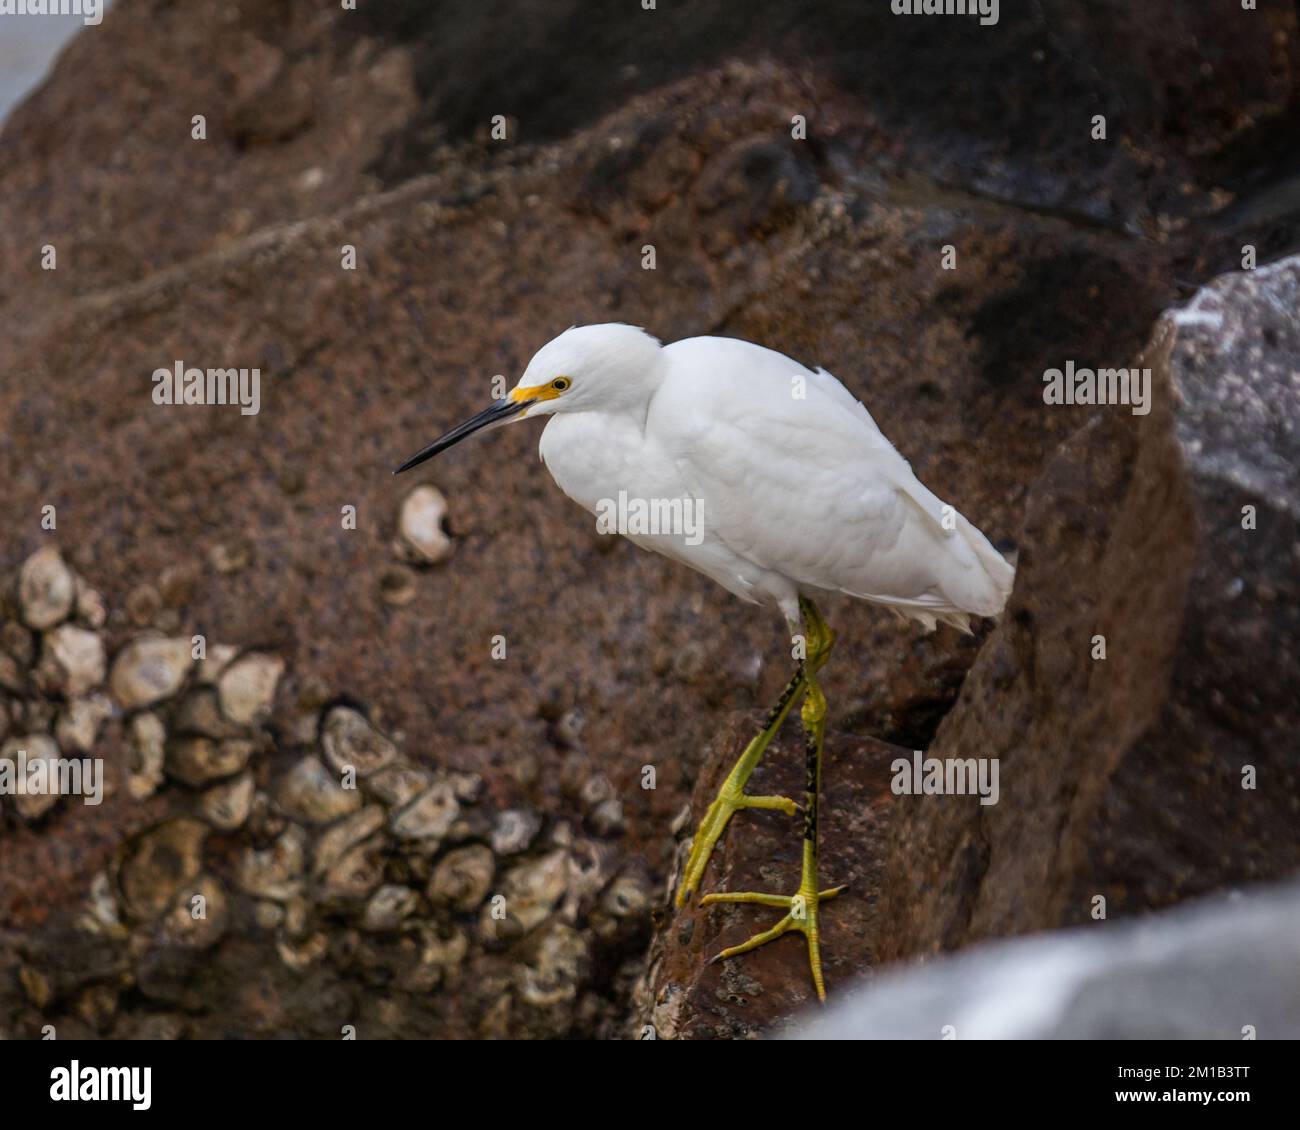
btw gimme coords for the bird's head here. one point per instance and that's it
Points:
(586, 369)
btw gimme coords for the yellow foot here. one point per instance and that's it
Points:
(801, 915)
(730, 800)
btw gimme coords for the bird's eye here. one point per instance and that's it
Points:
(561, 383)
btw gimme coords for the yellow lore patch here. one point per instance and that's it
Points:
(547, 391)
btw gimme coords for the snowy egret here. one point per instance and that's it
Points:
(781, 488)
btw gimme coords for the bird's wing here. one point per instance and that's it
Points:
(807, 486)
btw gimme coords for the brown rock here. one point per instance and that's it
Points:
(1129, 778)
(688, 997)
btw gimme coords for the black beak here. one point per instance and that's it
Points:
(499, 413)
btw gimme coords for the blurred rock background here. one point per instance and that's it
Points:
(523, 777)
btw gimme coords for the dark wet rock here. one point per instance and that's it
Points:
(1164, 770)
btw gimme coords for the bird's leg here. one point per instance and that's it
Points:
(732, 797)
(801, 908)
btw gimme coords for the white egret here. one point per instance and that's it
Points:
(782, 489)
